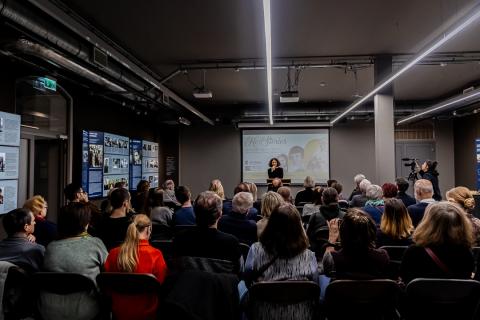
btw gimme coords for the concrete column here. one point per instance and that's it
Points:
(384, 123)
(384, 139)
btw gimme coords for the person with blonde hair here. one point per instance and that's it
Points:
(217, 187)
(464, 197)
(396, 226)
(136, 255)
(270, 201)
(45, 231)
(443, 242)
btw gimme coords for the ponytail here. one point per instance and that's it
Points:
(128, 255)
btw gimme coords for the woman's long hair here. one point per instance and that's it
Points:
(128, 255)
(396, 221)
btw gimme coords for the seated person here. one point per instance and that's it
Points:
(237, 223)
(19, 247)
(136, 255)
(402, 185)
(217, 187)
(276, 183)
(75, 193)
(283, 247)
(45, 230)
(227, 204)
(357, 257)
(169, 194)
(357, 179)
(359, 200)
(314, 207)
(344, 204)
(206, 240)
(423, 190)
(76, 252)
(442, 249)
(270, 201)
(375, 203)
(286, 194)
(396, 227)
(114, 227)
(140, 200)
(185, 215)
(160, 214)
(305, 195)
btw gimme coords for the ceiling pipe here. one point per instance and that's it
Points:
(23, 17)
(81, 30)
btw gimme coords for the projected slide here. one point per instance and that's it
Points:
(302, 152)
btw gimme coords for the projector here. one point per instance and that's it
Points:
(202, 93)
(289, 97)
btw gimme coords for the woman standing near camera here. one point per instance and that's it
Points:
(429, 172)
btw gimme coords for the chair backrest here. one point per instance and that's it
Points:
(366, 299)
(161, 232)
(395, 252)
(166, 246)
(62, 282)
(284, 292)
(442, 299)
(244, 249)
(128, 283)
(17, 294)
(204, 264)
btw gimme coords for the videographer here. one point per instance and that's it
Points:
(429, 172)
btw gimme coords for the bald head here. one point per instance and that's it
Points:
(423, 189)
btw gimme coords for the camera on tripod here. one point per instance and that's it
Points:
(413, 164)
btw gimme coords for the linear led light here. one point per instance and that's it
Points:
(251, 125)
(464, 22)
(441, 106)
(268, 47)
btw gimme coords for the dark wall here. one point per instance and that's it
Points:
(466, 130)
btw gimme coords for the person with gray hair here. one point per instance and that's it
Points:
(206, 240)
(236, 222)
(357, 179)
(359, 200)
(375, 204)
(423, 190)
(169, 193)
(305, 195)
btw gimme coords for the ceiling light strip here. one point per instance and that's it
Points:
(465, 21)
(441, 106)
(268, 47)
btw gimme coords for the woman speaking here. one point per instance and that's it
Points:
(275, 171)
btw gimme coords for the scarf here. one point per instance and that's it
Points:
(375, 203)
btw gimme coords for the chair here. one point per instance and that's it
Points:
(161, 232)
(64, 284)
(17, 296)
(212, 265)
(476, 257)
(362, 299)
(166, 246)
(291, 299)
(244, 249)
(396, 254)
(130, 290)
(442, 299)
(181, 227)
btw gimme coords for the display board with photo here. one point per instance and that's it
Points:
(9, 160)
(150, 162)
(136, 155)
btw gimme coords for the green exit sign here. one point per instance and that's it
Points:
(45, 83)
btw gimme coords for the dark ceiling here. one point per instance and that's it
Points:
(194, 35)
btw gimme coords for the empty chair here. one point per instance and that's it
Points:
(266, 298)
(362, 299)
(442, 299)
(74, 285)
(138, 293)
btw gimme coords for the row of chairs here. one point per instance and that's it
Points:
(377, 299)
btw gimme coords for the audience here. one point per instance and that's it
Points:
(358, 258)
(136, 255)
(257, 203)
(77, 252)
(359, 200)
(19, 247)
(276, 183)
(236, 222)
(286, 194)
(328, 211)
(396, 227)
(227, 204)
(375, 203)
(283, 246)
(160, 214)
(464, 198)
(45, 231)
(305, 195)
(402, 186)
(169, 194)
(270, 201)
(356, 191)
(206, 240)
(442, 248)
(140, 201)
(423, 193)
(113, 228)
(185, 215)
(75, 193)
(389, 190)
(341, 200)
(312, 208)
